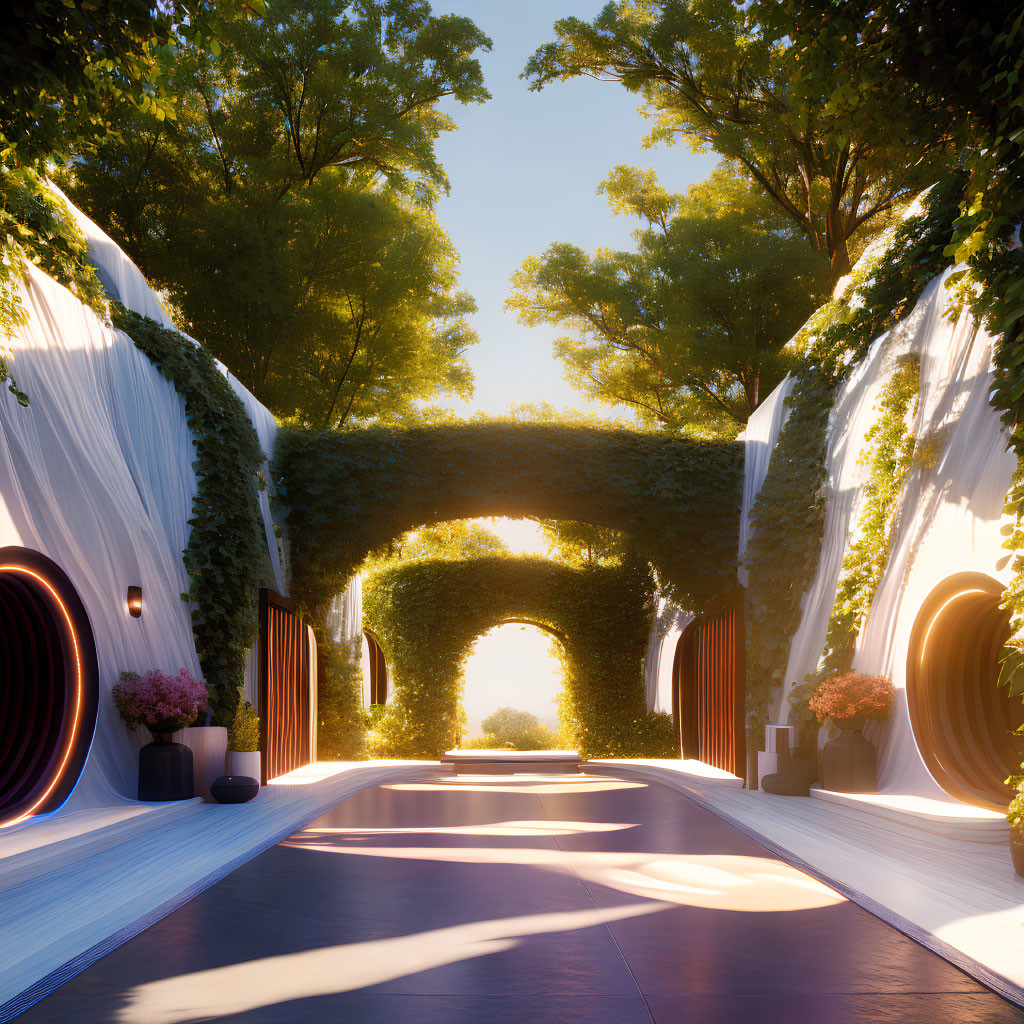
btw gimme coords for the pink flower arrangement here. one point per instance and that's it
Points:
(162, 703)
(853, 695)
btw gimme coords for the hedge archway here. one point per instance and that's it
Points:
(350, 492)
(427, 614)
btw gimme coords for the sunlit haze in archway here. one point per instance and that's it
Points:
(513, 665)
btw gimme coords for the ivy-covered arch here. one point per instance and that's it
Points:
(428, 613)
(351, 492)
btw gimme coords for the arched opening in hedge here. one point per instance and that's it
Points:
(377, 669)
(963, 722)
(50, 685)
(516, 663)
(427, 614)
(351, 492)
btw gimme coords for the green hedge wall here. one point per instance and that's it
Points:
(426, 615)
(348, 493)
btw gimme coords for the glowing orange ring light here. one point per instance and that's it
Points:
(76, 721)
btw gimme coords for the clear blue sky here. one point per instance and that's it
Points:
(524, 170)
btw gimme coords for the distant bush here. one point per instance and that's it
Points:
(518, 730)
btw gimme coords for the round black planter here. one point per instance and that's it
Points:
(165, 771)
(234, 789)
(794, 777)
(848, 763)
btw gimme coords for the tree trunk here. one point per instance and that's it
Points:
(840, 261)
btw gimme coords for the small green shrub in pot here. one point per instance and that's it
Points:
(244, 734)
(244, 743)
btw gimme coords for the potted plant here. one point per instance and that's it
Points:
(1015, 816)
(849, 700)
(244, 743)
(164, 704)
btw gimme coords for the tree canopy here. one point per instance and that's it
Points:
(457, 539)
(581, 544)
(66, 67)
(287, 210)
(710, 76)
(687, 330)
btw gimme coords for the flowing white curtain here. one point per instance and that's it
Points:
(950, 513)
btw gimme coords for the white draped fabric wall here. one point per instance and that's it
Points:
(950, 511)
(345, 622)
(661, 653)
(124, 281)
(759, 437)
(96, 474)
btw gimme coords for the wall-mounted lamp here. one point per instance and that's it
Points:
(135, 602)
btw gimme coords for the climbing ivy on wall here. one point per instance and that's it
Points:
(999, 304)
(36, 226)
(350, 492)
(787, 522)
(226, 553)
(788, 516)
(426, 615)
(889, 456)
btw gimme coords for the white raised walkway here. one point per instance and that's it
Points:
(942, 877)
(74, 887)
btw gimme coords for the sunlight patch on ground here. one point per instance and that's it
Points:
(241, 987)
(709, 881)
(497, 828)
(540, 785)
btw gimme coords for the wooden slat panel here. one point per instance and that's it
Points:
(285, 704)
(717, 691)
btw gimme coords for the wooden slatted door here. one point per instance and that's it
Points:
(287, 680)
(712, 691)
(378, 671)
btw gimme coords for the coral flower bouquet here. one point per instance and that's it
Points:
(850, 697)
(162, 703)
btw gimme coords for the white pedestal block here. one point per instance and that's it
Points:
(767, 764)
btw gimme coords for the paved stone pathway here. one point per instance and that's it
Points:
(520, 900)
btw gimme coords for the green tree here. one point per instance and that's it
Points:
(711, 77)
(582, 544)
(452, 541)
(65, 65)
(517, 730)
(287, 209)
(688, 330)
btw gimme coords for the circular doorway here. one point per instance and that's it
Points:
(49, 688)
(963, 722)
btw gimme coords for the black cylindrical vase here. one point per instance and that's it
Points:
(848, 761)
(165, 771)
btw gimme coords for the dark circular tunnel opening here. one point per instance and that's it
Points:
(963, 722)
(48, 685)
